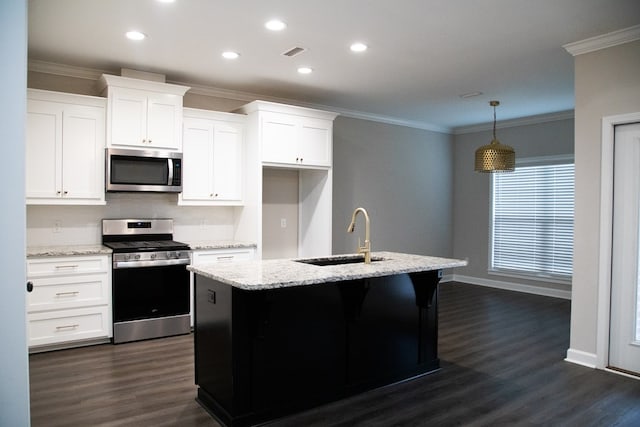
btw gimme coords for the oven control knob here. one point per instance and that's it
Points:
(153, 256)
(172, 255)
(136, 256)
(127, 257)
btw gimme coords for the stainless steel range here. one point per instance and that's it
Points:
(150, 281)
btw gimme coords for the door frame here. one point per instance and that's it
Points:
(606, 233)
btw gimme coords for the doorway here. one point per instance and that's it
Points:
(624, 335)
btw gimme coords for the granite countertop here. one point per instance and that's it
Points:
(271, 274)
(218, 244)
(97, 249)
(67, 250)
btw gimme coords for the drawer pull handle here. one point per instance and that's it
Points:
(225, 258)
(67, 294)
(60, 267)
(66, 327)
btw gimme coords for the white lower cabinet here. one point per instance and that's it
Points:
(70, 301)
(216, 256)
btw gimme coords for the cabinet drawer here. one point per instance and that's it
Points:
(55, 293)
(68, 325)
(66, 266)
(226, 255)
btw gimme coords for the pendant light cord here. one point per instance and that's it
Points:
(494, 122)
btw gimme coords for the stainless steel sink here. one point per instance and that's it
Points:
(339, 260)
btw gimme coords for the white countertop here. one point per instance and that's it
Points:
(272, 274)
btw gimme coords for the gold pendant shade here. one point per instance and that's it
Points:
(495, 157)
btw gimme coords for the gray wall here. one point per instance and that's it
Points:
(14, 367)
(607, 83)
(472, 192)
(402, 176)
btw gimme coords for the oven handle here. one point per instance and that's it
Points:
(163, 263)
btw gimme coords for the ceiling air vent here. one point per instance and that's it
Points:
(294, 51)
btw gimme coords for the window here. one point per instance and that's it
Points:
(532, 220)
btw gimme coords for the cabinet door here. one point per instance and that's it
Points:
(128, 111)
(314, 142)
(43, 150)
(83, 152)
(279, 133)
(164, 121)
(227, 162)
(197, 159)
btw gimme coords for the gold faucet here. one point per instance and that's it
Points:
(366, 249)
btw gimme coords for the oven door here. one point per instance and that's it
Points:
(150, 292)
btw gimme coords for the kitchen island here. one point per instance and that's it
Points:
(275, 337)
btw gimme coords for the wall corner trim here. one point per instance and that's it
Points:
(603, 41)
(580, 357)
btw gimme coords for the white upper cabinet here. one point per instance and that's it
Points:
(293, 136)
(65, 143)
(143, 114)
(212, 158)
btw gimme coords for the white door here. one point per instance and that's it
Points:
(43, 150)
(315, 142)
(197, 159)
(83, 152)
(128, 117)
(227, 162)
(624, 341)
(279, 138)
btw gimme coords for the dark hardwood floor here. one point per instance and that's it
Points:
(502, 365)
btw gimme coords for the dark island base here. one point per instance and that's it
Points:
(261, 355)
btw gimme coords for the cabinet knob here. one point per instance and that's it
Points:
(58, 192)
(66, 192)
(211, 195)
(29, 286)
(297, 159)
(215, 195)
(301, 159)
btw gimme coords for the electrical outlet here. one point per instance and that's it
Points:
(56, 226)
(283, 222)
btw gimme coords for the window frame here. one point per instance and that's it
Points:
(520, 274)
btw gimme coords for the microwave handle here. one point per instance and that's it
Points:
(170, 172)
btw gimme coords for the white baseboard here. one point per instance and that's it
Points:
(511, 286)
(447, 278)
(583, 358)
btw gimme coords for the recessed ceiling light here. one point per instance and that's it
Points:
(275, 25)
(230, 55)
(135, 35)
(166, 1)
(305, 70)
(358, 47)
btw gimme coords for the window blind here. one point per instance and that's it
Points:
(532, 221)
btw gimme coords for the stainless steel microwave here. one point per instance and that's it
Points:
(143, 170)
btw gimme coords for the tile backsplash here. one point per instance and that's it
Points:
(81, 225)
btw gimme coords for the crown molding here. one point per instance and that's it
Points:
(603, 41)
(522, 121)
(95, 74)
(66, 70)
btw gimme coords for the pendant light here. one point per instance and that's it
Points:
(495, 157)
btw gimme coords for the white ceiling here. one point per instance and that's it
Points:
(423, 54)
